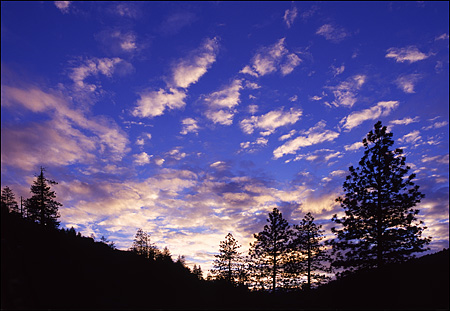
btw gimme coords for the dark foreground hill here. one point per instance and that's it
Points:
(50, 269)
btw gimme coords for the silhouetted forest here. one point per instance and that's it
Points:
(288, 267)
(47, 268)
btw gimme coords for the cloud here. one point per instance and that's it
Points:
(435, 125)
(190, 69)
(154, 103)
(409, 54)
(444, 36)
(332, 33)
(63, 6)
(220, 104)
(315, 135)
(412, 137)
(404, 121)
(289, 16)
(141, 158)
(189, 126)
(254, 146)
(442, 159)
(127, 10)
(345, 93)
(407, 82)
(381, 109)
(271, 121)
(67, 137)
(354, 146)
(337, 70)
(271, 59)
(117, 41)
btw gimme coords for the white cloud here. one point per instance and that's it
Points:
(190, 69)
(354, 146)
(337, 70)
(332, 33)
(409, 54)
(405, 121)
(443, 159)
(407, 82)
(253, 146)
(271, 59)
(290, 16)
(141, 158)
(154, 103)
(444, 36)
(358, 117)
(271, 120)
(412, 137)
(435, 125)
(220, 104)
(189, 126)
(315, 135)
(345, 93)
(63, 6)
(159, 161)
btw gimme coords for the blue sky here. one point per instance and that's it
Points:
(195, 119)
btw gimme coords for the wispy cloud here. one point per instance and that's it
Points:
(354, 146)
(173, 23)
(117, 41)
(271, 59)
(154, 103)
(435, 125)
(315, 135)
(444, 36)
(381, 109)
(64, 6)
(189, 126)
(77, 138)
(289, 16)
(404, 121)
(345, 93)
(270, 121)
(409, 54)
(332, 33)
(190, 69)
(407, 82)
(220, 104)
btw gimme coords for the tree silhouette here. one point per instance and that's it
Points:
(272, 245)
(226, 266)
(9, 202)
(197, 271)
(380, 224)
(42, 207)
(143, 246)
(309, 254)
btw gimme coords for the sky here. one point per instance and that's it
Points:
(191, 120)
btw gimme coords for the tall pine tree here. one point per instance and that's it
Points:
(380, 224)
(226, 265)
(272, 246)
(8, 201)
(143, 246)
(309, 255)
(42, 206)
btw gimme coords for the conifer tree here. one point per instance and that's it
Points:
(309, 256)
(380, 224)
(272, 246)
(226, 266)
(42, 206)
(8, 201)
(142, 245)
(197, 271)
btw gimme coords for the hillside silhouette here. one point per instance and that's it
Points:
(44, 268)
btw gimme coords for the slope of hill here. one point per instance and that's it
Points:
(50, 269)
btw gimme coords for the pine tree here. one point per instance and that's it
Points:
(380, 224)
(42, 207)
(309, 256)
(271, 247)
(197, 271)
(142, 245)
(9, 202)
(226, 266)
